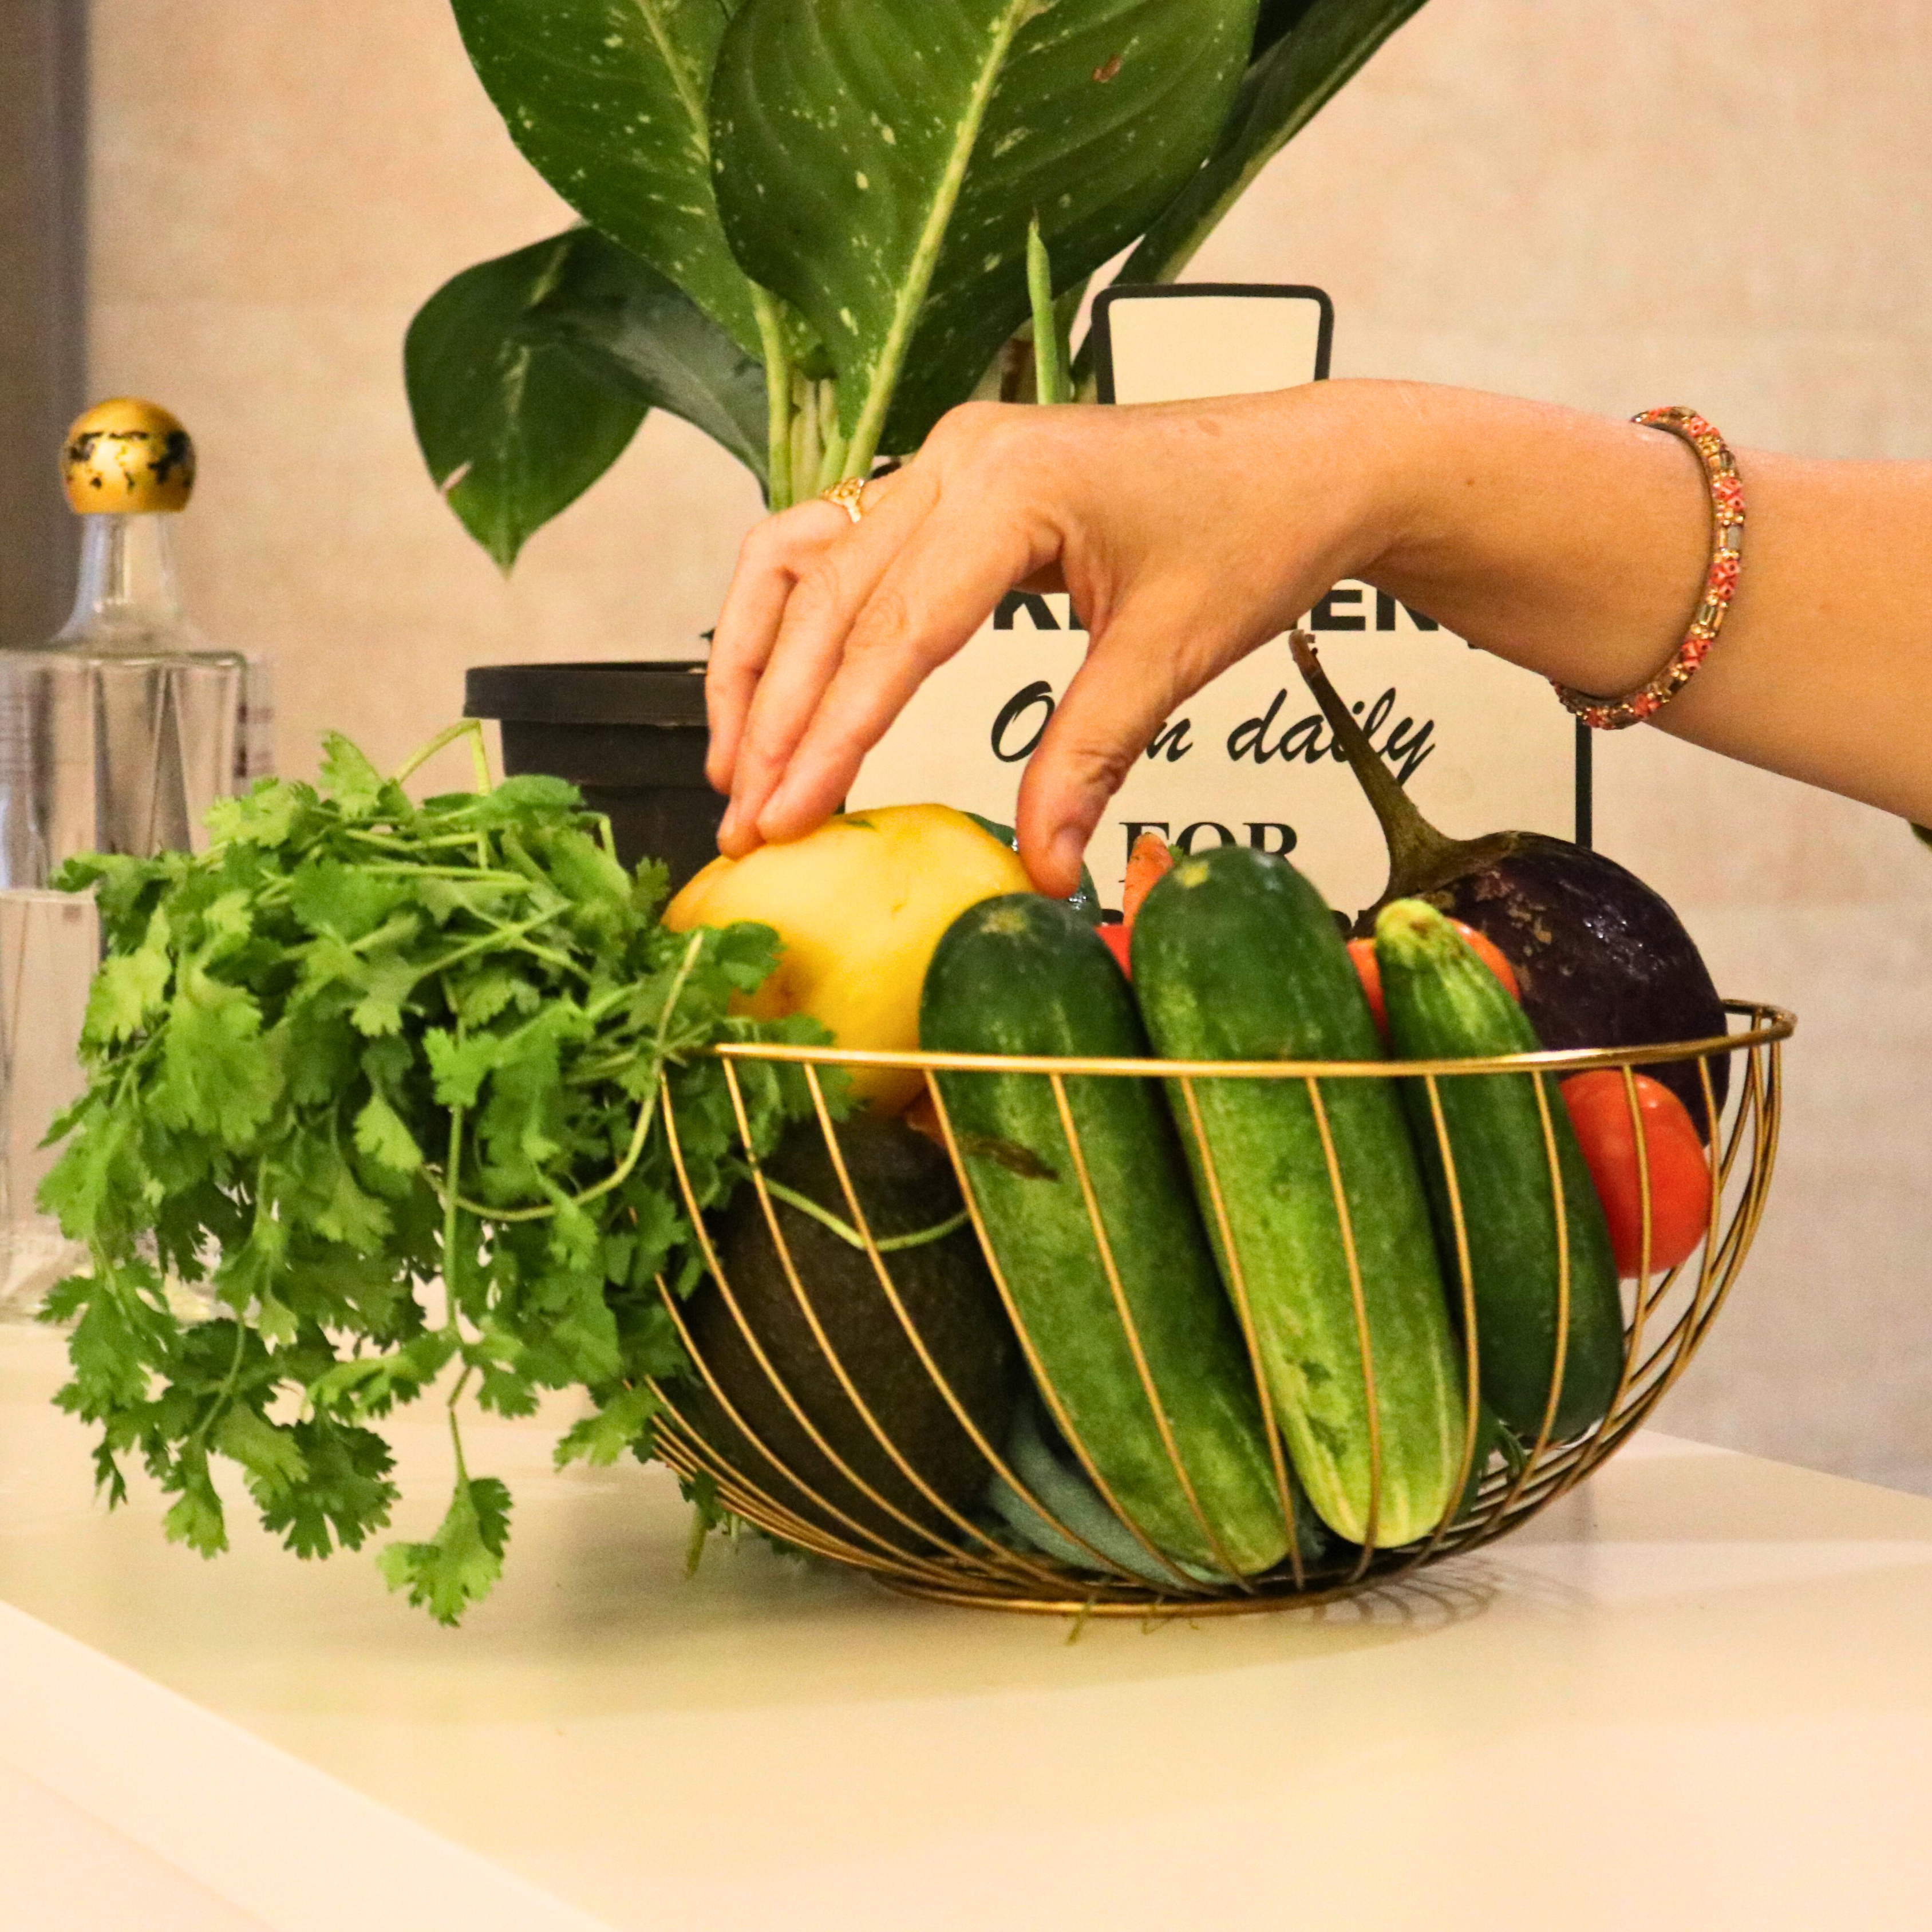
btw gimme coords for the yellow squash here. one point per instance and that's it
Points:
(860, 905)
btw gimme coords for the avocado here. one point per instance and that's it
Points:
(905, 1184)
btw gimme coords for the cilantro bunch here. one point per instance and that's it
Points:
(359, 1046)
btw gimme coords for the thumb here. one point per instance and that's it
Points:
(1133, 678)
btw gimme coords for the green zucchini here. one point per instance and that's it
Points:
(1445, 1003)
(1236, 957)
(1022, 974)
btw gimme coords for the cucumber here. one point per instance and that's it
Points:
(1085, 899)
(1062, 1488)
(1445, 1003)
(1236, 957)
(1022, 974)
(1074, 1509)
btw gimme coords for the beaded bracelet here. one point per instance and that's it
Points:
(1720, 581)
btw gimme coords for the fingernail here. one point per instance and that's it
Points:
(727, 826)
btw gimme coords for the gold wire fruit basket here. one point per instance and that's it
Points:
(915, 1539)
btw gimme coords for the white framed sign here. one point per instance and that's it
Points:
(1479, 744)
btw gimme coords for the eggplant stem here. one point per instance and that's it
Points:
(1420, 858)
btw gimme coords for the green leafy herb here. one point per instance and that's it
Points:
(359, 1047)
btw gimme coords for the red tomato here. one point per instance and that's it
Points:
(1362, 952)
(1680, 1175)
(1116, 936)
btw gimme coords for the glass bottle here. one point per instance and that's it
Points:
(115, 736)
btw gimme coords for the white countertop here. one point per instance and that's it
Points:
(1697, 1693)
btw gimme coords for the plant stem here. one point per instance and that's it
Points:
(693, 1548)
(469, 727)
(1419, 855)
(777, 399)
(804, 433)
(475, 875)
(224, 1395)
(833, 460)
(462, 1382)
(452, 1204)
(496, 937)
(890, 1244)
(1049, 351)
(640, 1133)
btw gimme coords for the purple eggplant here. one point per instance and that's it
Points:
(1600, 959)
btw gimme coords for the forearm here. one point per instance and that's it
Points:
(1189, 535)
(1576, 547)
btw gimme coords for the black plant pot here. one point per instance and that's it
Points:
(631, 737)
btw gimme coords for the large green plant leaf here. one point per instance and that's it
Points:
(1276, 18)
(878, 162)
(606, 99)
(528, 375)
(513, 426)
(1307, 54)
(637, 332)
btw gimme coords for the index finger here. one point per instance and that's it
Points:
(774, 555)
(971, 547)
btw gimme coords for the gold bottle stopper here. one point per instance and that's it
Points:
(124, 454)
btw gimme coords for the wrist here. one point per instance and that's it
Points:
(1573, 545)
(1372, 458)
(1416, 450)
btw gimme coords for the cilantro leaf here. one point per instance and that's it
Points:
(271, 1457)
(601, 1437)
(358, 1046)
(129, 987)
(347, 776)
(456, 1569)
(384, 1135)
(197, 1517)
(219, 1081)
(345, 1496)
(343, 900)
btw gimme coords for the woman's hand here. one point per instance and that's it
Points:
(1189, 533)
(1186, 534)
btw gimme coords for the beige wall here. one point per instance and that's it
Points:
(1610, 203)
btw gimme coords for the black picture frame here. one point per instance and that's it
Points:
(1101, 327)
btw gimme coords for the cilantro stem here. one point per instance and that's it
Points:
(471, 728)
(452, 1205)
(493, 876)
(225, 1394)
(455, 1426)
(496, 936)
(452, 1200)
(887, 1244)
(414, 842)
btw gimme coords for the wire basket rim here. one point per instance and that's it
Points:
(1664, 1318)
(1772, 1024)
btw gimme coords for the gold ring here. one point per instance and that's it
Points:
(848, 493)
